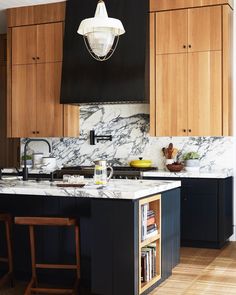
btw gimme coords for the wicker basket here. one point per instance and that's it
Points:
(175, 167)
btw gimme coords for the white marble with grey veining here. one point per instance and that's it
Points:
(129, 127)
(116, 189)
(185, 174)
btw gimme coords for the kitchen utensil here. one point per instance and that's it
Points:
(141, 163)
(49, 163)
(100, 172)
(37, 160)
(70, 184)
(170, 151)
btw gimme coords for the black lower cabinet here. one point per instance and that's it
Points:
(206, 211)
(109, 238)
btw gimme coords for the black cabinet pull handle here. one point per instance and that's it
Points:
(184, 130)
(190, 46)
(184, 46)
(33, 132)
(190, 130)
(37, 57)
(33, 58)
(37, 132)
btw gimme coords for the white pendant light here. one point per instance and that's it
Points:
(101, 33)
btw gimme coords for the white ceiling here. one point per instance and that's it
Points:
(4, 4)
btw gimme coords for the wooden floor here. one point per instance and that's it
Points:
(203, 272)
(200, 272)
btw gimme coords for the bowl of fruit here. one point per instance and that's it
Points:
(175, 167)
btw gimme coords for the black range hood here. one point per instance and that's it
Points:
(121, 79)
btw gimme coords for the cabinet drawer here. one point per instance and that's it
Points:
(200, 186)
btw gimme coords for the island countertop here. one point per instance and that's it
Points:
(116, 189)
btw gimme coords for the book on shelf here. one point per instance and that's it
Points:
(148, 262)
(151, 220)
(148, 223)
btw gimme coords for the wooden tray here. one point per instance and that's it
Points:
(70, 184)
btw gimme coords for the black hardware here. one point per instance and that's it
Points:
(99, 137)
(37, 132)
(37, 57)
(190, 130)
(184, 130)
(33, 132)
(190, 46)
(184, 46)
(25, 169)
(33, 58)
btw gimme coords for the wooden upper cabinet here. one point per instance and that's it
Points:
(204, 29)
(192, 94)
(171, 96)
(24, 46)
(49, 42)
(3, 50)
(49, 109)
(205, 93)
(23, 100)
(171, 32)
(37, 43)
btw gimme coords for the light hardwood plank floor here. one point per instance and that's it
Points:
(202, 272)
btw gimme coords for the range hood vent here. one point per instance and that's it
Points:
(121, 79)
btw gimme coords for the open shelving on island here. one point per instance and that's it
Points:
(151, 244)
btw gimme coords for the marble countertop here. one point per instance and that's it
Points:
(116, 189)
(201, 174)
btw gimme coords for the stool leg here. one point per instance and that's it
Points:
(8, 226)
(33, 259)
(77, 252)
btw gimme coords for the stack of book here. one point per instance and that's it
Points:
(148, 223)
(148, 262)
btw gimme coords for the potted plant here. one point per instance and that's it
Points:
(192, 161)
(28, 160)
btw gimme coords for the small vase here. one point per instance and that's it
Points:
(192, 165)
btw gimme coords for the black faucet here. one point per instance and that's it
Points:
(25, 169)
(99, 137)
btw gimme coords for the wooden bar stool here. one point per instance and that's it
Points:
(50, 221)
(8, 277)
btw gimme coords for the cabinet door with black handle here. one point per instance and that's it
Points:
(199, 210)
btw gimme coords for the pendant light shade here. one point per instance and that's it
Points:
(101, 33)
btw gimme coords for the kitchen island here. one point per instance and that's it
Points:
(110, 229)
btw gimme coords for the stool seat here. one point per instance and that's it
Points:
(8, 277)
(5, 217)
(50, 221)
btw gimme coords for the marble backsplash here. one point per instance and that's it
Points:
(129, 126)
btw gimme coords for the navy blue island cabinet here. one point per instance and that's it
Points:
(206, 211)
(111, 236)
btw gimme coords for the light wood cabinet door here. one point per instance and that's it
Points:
(171, 31)
(49, 109)
(204, 29)
(204, 94)
(171, 95)
(49, 42)
(23, 100)
(24, 46)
